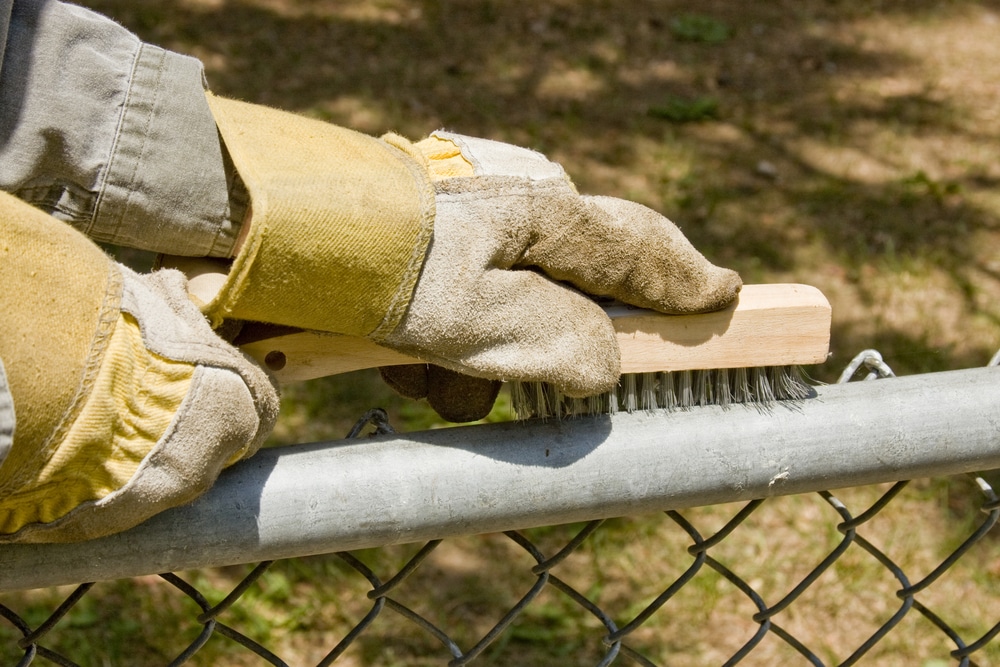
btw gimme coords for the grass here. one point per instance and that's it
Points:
(851, 146)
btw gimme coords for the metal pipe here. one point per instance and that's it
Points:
(345, 495)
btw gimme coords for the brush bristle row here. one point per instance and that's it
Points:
(679, 390)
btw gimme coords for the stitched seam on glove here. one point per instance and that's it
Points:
(182, 465)
(419, 169)
(132, 398)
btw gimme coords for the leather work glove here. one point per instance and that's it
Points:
(500, 209)
(467, 253)
(126, 402)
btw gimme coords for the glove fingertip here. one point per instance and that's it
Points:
(460, 398)
(409, 380)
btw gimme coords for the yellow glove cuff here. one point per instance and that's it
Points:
(341, 222)
(133, 399)
(126, 402)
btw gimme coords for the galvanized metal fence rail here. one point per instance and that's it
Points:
(422, 488)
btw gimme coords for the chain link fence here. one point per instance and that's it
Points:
(809, 578)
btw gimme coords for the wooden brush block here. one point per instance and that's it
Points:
(769, 325)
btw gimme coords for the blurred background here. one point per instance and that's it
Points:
(848, 145)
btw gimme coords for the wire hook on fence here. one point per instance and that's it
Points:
(376, 417)
(872, 361)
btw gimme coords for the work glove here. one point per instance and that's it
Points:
(512, 238)
(472, 255)
(126, 401)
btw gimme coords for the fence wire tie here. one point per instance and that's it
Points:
(376, 417)
(992, 503)
(873, 362)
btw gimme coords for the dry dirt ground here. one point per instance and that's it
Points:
(849, 145)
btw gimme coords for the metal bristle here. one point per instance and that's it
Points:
(741, 386)
(629, 394)
(703, 388)
(577, 407)
(519, 399)
(790, 381)
(669, 391)
(666, 395)
(597, 405)
(685, 389)
(648, 384)
(723, 393)
(761, 386)
(541, 399)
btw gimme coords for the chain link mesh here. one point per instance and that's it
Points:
(712, 575)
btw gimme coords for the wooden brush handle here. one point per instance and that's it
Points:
(769, 325)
